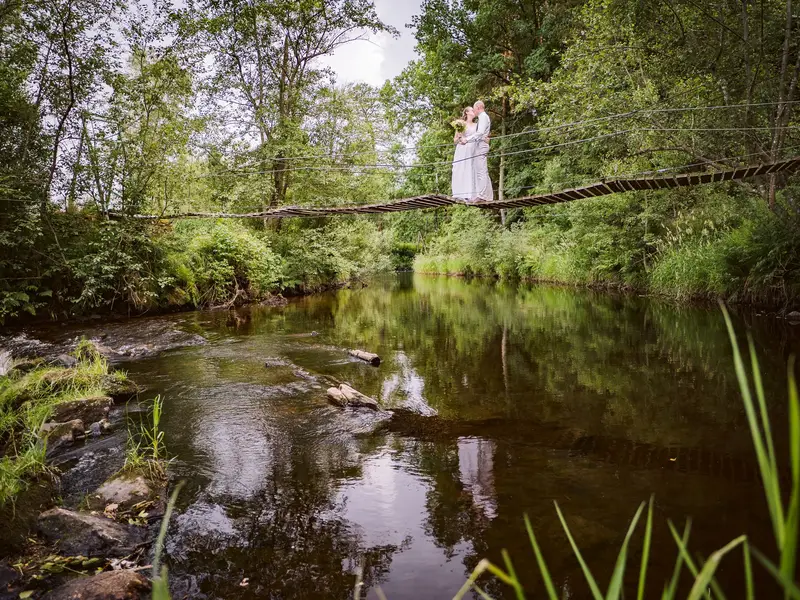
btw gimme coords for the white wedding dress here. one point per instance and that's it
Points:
(463, 184)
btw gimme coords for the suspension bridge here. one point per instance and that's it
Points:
(428, 201)
(709, 171)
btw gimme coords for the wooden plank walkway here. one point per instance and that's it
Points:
(594, 190)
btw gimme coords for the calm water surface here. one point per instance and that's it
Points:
(543, 394)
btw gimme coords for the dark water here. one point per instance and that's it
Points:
(543, 394)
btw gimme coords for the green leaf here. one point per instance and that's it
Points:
(615, 585)
(706, 575)
(645, 550)
(586, 572)
(548, 582)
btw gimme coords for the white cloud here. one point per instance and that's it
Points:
(382, 57)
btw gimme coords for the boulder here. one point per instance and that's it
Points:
(111, 585)
(793, 316)
(120, 390)
(124, 491)
(61, 433)
(88, 535)
(335, 396)
(88, 410)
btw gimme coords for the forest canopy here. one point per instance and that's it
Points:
(110, 109)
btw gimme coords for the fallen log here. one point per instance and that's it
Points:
(345, 395)
(369, 357)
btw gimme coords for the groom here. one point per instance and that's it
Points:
(480, 138)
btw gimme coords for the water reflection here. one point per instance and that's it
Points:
(542, 393)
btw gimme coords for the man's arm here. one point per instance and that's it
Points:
(482, 130)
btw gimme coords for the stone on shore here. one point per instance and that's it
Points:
(111, 585)
(124, 490)
(118, 390)
(59, 435)
(88, 410)
(87, 535)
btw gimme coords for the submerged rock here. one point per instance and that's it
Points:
(88, 410)
(87, 535)
(124, 491)
(112, 585)
(276, 362)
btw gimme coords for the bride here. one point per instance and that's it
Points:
(463, 183)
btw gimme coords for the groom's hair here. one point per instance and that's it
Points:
(480, 104)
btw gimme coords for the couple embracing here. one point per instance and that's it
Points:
(470, 170)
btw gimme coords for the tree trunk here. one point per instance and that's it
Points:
(501, 185)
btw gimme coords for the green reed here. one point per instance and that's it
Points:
(146, 451)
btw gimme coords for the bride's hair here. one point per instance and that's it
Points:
(464, 113)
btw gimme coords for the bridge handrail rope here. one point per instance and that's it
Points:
(599, 188)
(532, 131)
(390, 166)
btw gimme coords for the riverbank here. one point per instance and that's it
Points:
(79, 492)
(695, 247)
(83, 266)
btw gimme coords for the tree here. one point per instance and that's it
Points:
(267, 72)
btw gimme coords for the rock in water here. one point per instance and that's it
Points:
(793, 316)
(87, 535)
(5, 362)
(124, 491)
(335, 396)
(112, 585)
(356, 398)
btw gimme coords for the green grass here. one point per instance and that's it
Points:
(146, 453)
(27, 402)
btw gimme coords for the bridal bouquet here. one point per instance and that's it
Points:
(460, 125)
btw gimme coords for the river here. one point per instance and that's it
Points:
(543, 394)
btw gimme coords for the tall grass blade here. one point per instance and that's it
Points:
(615, 584)
(706, 576)
(669, 591)
(768, 476)
(762, 404)
(684, 552)
(548, 582)
(162, 532)
(648, 535)
(750, 592)
(789, 550)
(587, 573)
(510, 568)
(790, 588)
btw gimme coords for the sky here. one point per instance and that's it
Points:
(382, 57)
